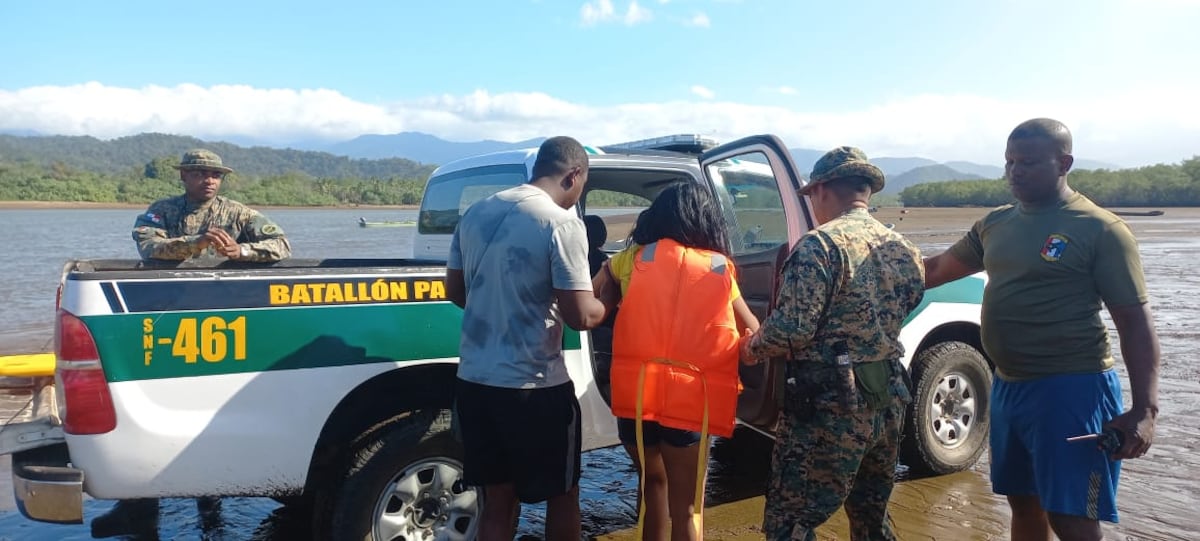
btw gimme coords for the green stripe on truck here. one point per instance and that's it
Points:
(202, 343)
(967, 290)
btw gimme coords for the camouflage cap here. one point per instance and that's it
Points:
(843, 162)
(202, 159)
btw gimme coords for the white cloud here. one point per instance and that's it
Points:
(603, 11)
(597, 12)
(703, 92)
(785, 90)
(637, 14)
(699, 20)
(1133, 128)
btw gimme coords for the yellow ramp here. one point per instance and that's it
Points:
(30, 365)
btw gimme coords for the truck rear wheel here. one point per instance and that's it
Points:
(946, 428)
(403, 481)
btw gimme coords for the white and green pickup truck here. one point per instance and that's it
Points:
(329, 382)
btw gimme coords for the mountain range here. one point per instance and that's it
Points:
(426, 148)
(394, 154)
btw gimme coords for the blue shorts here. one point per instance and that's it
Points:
(654, 434)
(1031, 421)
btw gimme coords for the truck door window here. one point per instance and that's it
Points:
(753, 205)
(448, 196)
(618, 211)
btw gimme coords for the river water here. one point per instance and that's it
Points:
(1159, 494)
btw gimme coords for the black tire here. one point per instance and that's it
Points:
(946, 428)
(417, 452)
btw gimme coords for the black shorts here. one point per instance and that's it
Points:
(654, 434)
(530, 438)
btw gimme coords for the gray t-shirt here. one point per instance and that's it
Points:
(515, 248)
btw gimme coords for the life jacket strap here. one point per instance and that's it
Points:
(701, 462)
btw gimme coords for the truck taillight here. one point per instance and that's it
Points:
(88, 403)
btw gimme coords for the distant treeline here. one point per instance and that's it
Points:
(123, 154)
(1153, 186)
(157, 179)
(138, 169)
(28, 182)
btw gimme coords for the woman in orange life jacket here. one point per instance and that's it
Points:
(679, 298)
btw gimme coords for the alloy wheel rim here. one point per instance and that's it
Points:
(427, 501)
(952, 409)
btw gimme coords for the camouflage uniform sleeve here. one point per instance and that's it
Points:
(150, 234)
(806, 283)
(265, 239)
(917, 290)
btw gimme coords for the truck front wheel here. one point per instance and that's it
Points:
(946, 428)
(404, 482)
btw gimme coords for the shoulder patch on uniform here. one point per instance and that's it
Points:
(156, 218)
(1054, 247)
(270, 229)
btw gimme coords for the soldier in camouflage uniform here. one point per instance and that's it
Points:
(201, 223)
(850, 282)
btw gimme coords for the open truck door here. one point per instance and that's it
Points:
(758, 185)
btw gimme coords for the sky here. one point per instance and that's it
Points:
(945, 80)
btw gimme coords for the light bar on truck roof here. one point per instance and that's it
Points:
(683, 142)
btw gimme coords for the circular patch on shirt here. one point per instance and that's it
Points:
(270, 229)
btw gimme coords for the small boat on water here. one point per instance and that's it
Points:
(362, 222)
(1138, 212)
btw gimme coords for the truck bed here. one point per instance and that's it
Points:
(109, 269)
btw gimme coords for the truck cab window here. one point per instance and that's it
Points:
(618, 211)
(753, 205)
(448, 196)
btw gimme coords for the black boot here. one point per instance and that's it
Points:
(128, 517)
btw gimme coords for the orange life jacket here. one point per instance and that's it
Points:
(676, 323)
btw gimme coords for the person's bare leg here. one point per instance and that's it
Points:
(681, 463)
(1075, 528)
(562, 517)
(656, 526)
(1029, 521)
(500, 508)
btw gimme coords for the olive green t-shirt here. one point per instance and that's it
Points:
(1048, 271)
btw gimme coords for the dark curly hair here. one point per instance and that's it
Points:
(686, 213)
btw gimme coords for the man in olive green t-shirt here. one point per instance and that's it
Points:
(1052, 259)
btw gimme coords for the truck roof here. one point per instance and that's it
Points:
(688, 143)
(680, 146)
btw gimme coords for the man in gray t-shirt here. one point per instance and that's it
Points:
(518, 267)
(515, 248)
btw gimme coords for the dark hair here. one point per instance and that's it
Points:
(686, 213)
(1044, 128)
(557, 155)
(848, 187)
